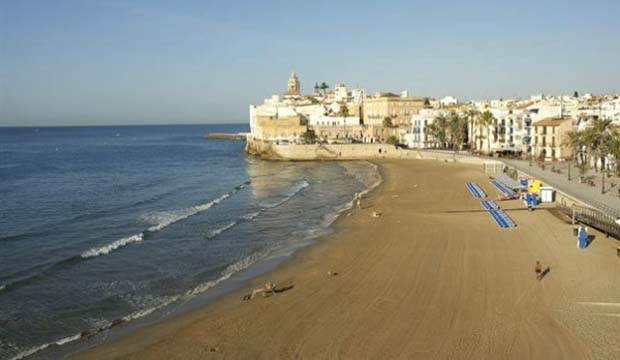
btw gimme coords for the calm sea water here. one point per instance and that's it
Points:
(104, 225)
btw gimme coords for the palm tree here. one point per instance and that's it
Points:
(440, 124)
(472, 115)
(613, 147)
(344, 112)
(576, 141)
(486, 119)
(458, 130)
(601, 132)
(324, 87)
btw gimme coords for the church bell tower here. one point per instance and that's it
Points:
(292, 88)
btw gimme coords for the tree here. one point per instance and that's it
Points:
(613, 147)
(387, 121)
(472, 116)
(458, 131)
(575, 141)
(392, 140)
(597, 135)
(438, 130)
(344, 111)
(316, 87)
(487, 119)
(309, 137)
(324, 87)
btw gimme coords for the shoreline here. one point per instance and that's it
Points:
(414, 283)
(226, 295)
(121, 328)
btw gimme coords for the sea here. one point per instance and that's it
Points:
(103, 226)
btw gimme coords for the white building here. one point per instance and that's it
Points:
(509, 132)
(340, 93)
(417, 138)
(448, 100)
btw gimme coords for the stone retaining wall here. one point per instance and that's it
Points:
(297, 152)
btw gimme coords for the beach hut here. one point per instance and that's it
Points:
(547, 194)
(534, 187)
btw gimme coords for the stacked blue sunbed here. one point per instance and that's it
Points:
(475, 190)
(501, 218)
(503, 188)
(489, 205)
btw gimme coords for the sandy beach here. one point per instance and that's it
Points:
(432, 278)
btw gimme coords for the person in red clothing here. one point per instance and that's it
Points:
(538, 270)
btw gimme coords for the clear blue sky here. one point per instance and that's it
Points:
(74, 62)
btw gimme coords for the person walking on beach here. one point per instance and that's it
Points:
(538, 270)
(359, 200)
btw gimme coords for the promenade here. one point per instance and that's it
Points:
(609, 202)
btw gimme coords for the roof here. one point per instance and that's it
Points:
(524, 105)
(551, 121)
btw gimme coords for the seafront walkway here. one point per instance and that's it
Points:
(608, 202)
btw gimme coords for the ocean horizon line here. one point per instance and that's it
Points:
(244, 122)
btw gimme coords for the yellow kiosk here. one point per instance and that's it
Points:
(534, 187)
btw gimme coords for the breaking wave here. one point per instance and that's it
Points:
(166, 219)
(163, 221)
(104, 250)
(36, 349)
(169, 300)
(288, 196)
(218, 231)
(169, 218)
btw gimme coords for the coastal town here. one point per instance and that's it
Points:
(580, 127)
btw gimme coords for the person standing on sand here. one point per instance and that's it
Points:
(538, 270)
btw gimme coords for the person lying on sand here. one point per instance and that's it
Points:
(268, 288)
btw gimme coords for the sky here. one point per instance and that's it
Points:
(88, 62)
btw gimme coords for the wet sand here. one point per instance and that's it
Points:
(432, 278)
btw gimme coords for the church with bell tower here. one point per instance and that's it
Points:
(292, 88)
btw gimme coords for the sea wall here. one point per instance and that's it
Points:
(297, 152)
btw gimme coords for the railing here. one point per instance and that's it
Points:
(592, 217)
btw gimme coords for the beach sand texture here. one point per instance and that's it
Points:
(418, 282)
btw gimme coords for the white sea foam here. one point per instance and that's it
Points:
(30, 351)
(36, 349)
(68, 339)
(251, 215)
(201, 288)
(168, 218)
(104, 250)
(294, 191)
(216, 232)
(144, 312)
(227, 273)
